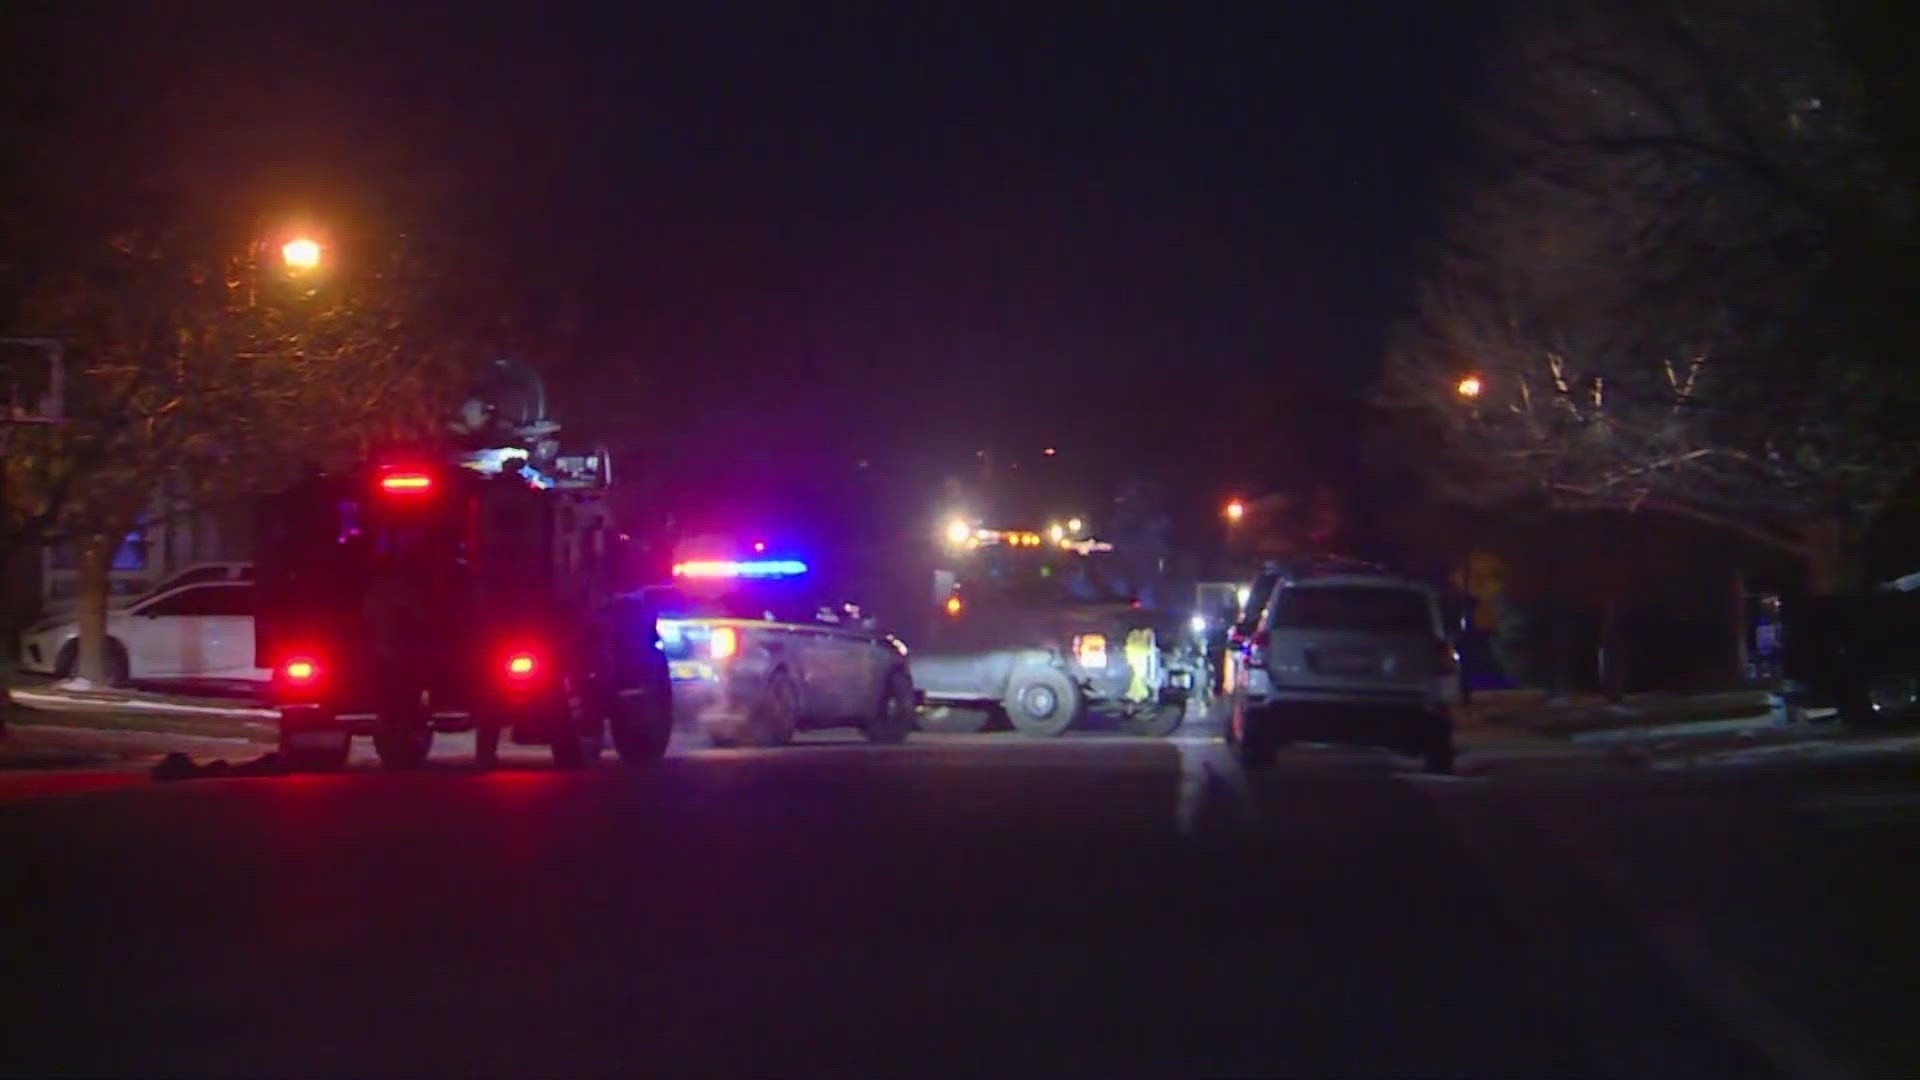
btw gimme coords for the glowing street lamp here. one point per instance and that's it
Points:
(300, 254)
(1074, 525)
(1468, 387)
(958, 531)
(1236, 510)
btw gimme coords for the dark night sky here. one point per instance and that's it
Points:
(970, 227)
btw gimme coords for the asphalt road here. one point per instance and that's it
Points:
(965, 906)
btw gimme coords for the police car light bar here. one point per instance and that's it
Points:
(755, 568)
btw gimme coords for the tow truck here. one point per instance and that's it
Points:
(1025, 622)
(453, 588)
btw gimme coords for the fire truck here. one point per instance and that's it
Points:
(1028, 623)
(473, 585)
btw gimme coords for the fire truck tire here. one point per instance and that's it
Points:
(641, 727)
(402, 743)
(576, 737)
(1042, 703)
(893, 718)
(778, 715)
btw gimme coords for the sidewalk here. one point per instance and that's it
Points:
(1574, 715)
(57, 721)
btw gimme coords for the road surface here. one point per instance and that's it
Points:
(966, 906)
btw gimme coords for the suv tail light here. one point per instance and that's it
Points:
(1257, 643)
(1091, 651)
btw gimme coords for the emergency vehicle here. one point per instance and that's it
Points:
(756, 653)
(434, 591)
(1027, 623)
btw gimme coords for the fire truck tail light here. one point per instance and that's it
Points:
(520, 666)
(406, 483)
(300, 671)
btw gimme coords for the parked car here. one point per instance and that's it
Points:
(195, 631)
(1349, 659)
(58, 611)
(197, 574)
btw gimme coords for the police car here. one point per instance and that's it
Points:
(756, 654)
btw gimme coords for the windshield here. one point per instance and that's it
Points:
(1035, 577)
(1353, 607)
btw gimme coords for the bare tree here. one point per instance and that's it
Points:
(1673, 294)
(206, 370)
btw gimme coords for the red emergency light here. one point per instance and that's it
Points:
(520, 666)
(406, 483)
(300, 671)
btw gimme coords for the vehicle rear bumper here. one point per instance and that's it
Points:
(1412, 725)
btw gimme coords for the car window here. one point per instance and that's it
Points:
(1257, 597)
(235, 600)
(1352, 607)
(202, 600)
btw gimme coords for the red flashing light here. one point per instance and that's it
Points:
(406, 483)
(522, 665)
(300, 671)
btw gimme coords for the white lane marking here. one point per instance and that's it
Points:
(1431, 779)
(1204, 764)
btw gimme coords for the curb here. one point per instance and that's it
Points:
(63, 701)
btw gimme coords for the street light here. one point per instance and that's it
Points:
(1236, 510)
(1074, 525)
(300, 254)
(1468, 387)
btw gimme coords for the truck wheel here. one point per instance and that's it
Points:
(403, 742)
(1042, 704)
(778, 715)
(641, 727)
(954, 719)
(1156, 722)
(893, 719)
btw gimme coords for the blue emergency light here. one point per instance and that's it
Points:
(751, 568)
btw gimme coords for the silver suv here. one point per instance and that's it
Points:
(1356, 659)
